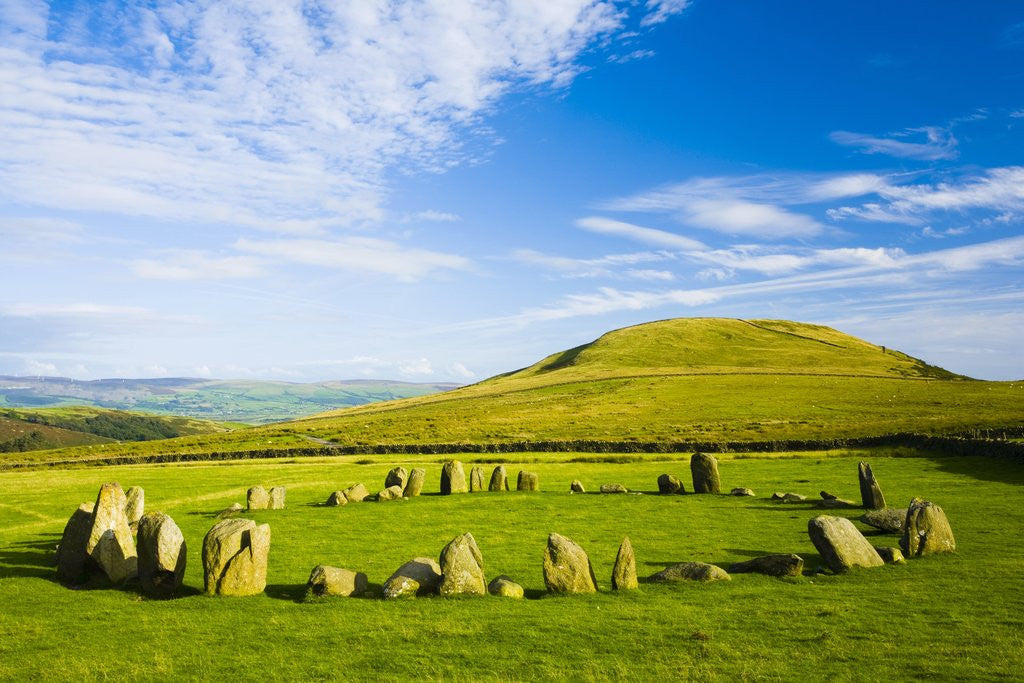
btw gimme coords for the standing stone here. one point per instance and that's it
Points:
(476, 480)
(110, 543)
(503, 586)
(624, 572)
(772, 565)
(161, 554)
(691, 571)
(462, 568)
(135, 505)
(356, 493)
(257, 498)
(414, 485)
(499, 479)
(567, 568)
(235, 555)
(613, 488)
(72, 558)
(886, 519)
(327, 581)
(527, 481)
(741, 491)
(276, 498)
(840, 544)
(453, 478)
(669, 483)
(419, 576)
(577, 487)
(390, 493)
(337, 498)
(704, 469)
(926, 530)
(396, 477)
(890, 555)
(870, 493)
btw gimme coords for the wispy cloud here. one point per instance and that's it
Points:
(658, 238)
(938, 143)
(660, 10)
(197, 265)
(612, 265)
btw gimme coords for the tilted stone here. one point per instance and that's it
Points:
(527, 481)
(110, 544)
(162, 554)
(462, 568)
(135, 505)
(691, 571)
(396, 477)
(890, 555)
(886, 519)
(669, 483)
(476, 480)
(277, 494)
(503, 586)
(772, 565)
(926, 530)
(704, 470)
(577, 487)
(257, 498)
(613, 488)
(337, 498)
(870, 492)
(327, 581)
(741, 491)
(356, 493)
(567, 567)
(235, 553)
(840, 544)
(624, 571)
(414, 485)
(453, 478)
(499, 479)
(390, 493)
(419, 576)
(73, 562)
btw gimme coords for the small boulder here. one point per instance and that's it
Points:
(669, 483)
(505, 587)
(390, 493)
(840, 544)
(110, 543)
(462, 568)
(476, 479)
(793, 498)
(704, 470)
(414, 485)
(327, 581)
(567, 567)
(235, 553)
(277, 494)
(577, 487)
(741, 491)
(135, 505)
(624, 571)
(926, 530)
(886, 519)
(232, 509)
(336, 499)
(890, 555)
(162, 554)
(257, 498)
(691, 571)
(870, 492)
(73, 562)
(778, 495)
(419, 576)
(396, 477)
(613, 488)
(527, 481)
(499, 479)
(356, 493)
(453, 478)
(772, 565)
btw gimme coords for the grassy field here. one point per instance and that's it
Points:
(950, 617)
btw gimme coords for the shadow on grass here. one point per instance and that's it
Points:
(1002, 470)
(36, 559)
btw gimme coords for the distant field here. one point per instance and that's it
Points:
(956, 617)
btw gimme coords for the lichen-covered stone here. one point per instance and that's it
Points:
(396, 477)
(577, 487)
(691, 571)
(890, 555)
(135, 505)
(704, 470)
(419, 576)
(414, 485)
(162, 554)
(669, 483)
(462, 568)
(235, 553)
(527, 481)
(257, 498)
(624, 571)
(926, 530)
(886, 519)
(73, 562)
(793, 498)
(499, 479)
(870, 492)
(337, 498)
(567, 567)
(613, 488)
(503, 586)
(840, 544)
(276, 502)
(476, 480)
(110, 543)
(356, 493)
(772, 565)
(390, 493)
(327, 581)
(741, 491)
(453, 478)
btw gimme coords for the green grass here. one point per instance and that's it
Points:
(949, 617)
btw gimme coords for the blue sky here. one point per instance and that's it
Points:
(444, 190)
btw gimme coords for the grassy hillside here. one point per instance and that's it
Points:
(17, 436)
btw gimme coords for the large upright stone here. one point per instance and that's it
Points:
(691, 571)
(476, 480)
(257, 498)
(110, 544)
(161, 554)
(419, 576)
(772, 565)
(235, 555)
(870, 493)
(135, 505)
(669, 483)
(624, 571)
(567, 567)
(277, 494)
(840, 544)
(396, 477)
(73, 561)
(462, 568)
(527, 481)
(453, 478)
(356, 493)
(926, 530)
(499, 479)
(414, 485)
(704, 469)
(327, 581)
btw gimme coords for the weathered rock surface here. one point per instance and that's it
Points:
(890, 555)
(624, 571)
(577, 487)
(613, 488)
(669, 483)
(257, 498)
(926, 530)
(527, 481)
(567, 567)
(704, 470)
(840, 544)
(235, 554)
(793, 498)
(870, 492)
(836, 504)
(398, 476)
(476, 480)
(73, 562)
(462, 568)
(276, 502)
(390, 493)
(691, 571)
(232, 509)
(356, 493)
(414, 486)
(886, 519)
(778, 495)
(337, 498)
(772, 565)
(327, 581)
(135, 505)
(741, 491)
(162, 554)
(110, 543)
(419, 576)
(453, 478)
(499, 479)
(503, 586)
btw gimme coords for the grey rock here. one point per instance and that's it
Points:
(793, 498)
(257, 498)
(73, 561)
(503, 586)
(476, 480)
(390, 493)
(135, 505)
(327, 581)
(162, 554)
(356, 493)
(840, 544)
(235, 553)
(669, 483)
(277, 494)
(567, 567)
(419, 576)
(577, 487)
(613, 488)
(414, 486)
(396, 477)
(691, 571)
(624, 571)
(890, 555)
(886, 519)
(704, 470)
(870, 492)
(337, 498)
(926, 530)
(527, 481)
(110, 543)
(499, 479)
(462, 568)
(772, 565)
(453, 478)
(741, 491)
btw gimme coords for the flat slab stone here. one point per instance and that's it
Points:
(741, 491)
(691, 571)
(325, 581)
(771, 565)
(840, 544)
(613, 488)
(886, 519)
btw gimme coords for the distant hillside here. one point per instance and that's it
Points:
(253, 402)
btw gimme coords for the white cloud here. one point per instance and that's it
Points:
(660, 10)
(612, 265)
(872, 211)
(461, 371)
(197, 265)
(737, 217)
(35, 367)
(416, 367)
(658, 238)
(938, 143)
